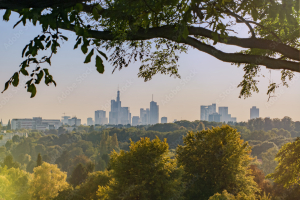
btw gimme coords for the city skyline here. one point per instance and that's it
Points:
(81, 89)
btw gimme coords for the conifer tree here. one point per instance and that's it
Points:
(39, 160)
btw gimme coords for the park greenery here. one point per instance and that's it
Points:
(184, 160)
(157, 32)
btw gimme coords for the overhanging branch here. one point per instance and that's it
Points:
(166, 32)
(270, 63)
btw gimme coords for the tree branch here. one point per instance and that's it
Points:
(270, 63)
(168, 33)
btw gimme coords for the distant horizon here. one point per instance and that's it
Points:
(81, 89)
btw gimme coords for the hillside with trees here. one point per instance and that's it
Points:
(200, 158)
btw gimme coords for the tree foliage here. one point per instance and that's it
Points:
(144, 172)
(287, 171)
(215, 160)
(47, 181)
(129, 28)
(14, 184)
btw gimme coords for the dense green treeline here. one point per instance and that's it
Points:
(90, 157)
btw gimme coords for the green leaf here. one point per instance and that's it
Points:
(15, 79)
(64, 37)
(23, 52)
(99, 65)
(6, 15)
(6, 86)
(39, 77)
(32, 89)
(78, 7)
(77, 43)
(48, 44)
(24, 72)
(96, 14)
(84, 48)
(46, 71)
(48, 61)
(88, 57)
(103, 54)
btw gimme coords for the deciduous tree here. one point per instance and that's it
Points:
(47, 181)
(287, 171)
(215, 160)
(128, 28)
(144, 172)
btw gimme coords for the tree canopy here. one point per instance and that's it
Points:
(215, 160)
(128, 30)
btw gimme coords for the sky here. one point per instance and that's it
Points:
(81, 89)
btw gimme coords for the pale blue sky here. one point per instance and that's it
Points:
(205, 80)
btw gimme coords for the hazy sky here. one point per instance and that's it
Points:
(81, 90)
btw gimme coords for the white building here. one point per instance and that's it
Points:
(36, 123)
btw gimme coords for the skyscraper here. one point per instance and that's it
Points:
(65, 119)
(254, 112)
(214, 117)
(164, 120)
(90, 121)
(74, 121)
(100, 117)
(145, 116)
(154, 112)
(118, 114)
(135, 120)
(205, 111)
(223, 111)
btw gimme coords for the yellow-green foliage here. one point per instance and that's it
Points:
(215, 160)
(14, 184)
(47, 181)
(287, 171)
(144, 172)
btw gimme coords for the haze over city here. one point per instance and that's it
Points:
(81, 90)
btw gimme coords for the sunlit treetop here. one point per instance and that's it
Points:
(156, 32)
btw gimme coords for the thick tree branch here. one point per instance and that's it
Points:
(166, 32)
(258, 43)
(270, 63)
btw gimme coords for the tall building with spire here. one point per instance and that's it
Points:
(118, 114)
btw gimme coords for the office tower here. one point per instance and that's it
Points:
(225, 117)
(65, 119)
(214, 117)
(125, 116)
(100, 117)
(145, 116)
(254, 112)
(90, 121)
(118, 114)
(74, 121)
(154, 112)
(135, 120)
(164, 120)
(205, 111)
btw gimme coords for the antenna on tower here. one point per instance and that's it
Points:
(152, 97)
